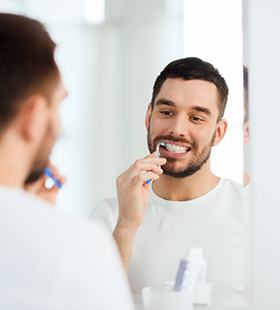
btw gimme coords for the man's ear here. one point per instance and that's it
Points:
(148, 116)
(33, 117)
(220, 131)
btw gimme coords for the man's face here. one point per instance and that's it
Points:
(51, 133)
(185, 117)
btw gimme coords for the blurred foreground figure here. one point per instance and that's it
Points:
(48, 261)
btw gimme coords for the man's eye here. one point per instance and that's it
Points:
(196, 119)
(166, 113)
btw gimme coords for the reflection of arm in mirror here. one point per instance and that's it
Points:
(133, 195)
(187, 205)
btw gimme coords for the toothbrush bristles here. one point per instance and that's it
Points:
(157, 148)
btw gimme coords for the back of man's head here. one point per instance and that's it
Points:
(193, 68)
(27, 63)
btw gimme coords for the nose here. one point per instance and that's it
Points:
(179, 126)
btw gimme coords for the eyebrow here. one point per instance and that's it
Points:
(201, 109)
(162, 101)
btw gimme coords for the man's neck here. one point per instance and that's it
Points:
(188, 188)
(12, 165)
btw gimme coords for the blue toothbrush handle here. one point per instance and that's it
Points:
(148, 182)
(48, 173)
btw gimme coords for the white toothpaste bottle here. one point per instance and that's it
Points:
(197, 268)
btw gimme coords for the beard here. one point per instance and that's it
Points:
(198, 159)
(40, 161)
(34, 175)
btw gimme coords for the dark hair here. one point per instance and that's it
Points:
(193, 68)
(27, 63)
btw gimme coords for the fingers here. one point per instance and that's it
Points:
(35, 187)
(54, 189)
(49, 195)
(40, 183)
(138, 168)
(56, 177)
(143, 176)
(55, 185)
(148, 162)
(154, 154)
(47, 192)
(144, 169)
(152, 158)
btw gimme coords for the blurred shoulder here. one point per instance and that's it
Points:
(106, 213)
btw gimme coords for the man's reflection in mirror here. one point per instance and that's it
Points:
(170, 202)
(246, 129)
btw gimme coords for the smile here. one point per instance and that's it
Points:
(175, 148)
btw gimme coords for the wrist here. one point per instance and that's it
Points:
(127, 226)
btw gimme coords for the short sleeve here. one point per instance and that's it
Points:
(106, 214)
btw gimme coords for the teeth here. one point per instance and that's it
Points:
(175, 148)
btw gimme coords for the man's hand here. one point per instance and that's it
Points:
(39, 189)
(133, 194)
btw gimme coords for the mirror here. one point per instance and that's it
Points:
(109, 62)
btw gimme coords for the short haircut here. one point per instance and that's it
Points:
(27, 63)
(193, 68)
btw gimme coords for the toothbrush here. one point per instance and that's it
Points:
(48, 173)
(148, 182)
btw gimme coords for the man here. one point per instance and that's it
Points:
(48, 261)
(246, 129)
(187, 205)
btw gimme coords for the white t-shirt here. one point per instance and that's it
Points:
(52, 261)
(217, 222)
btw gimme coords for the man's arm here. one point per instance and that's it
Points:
(133, 194)
(124, 237)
